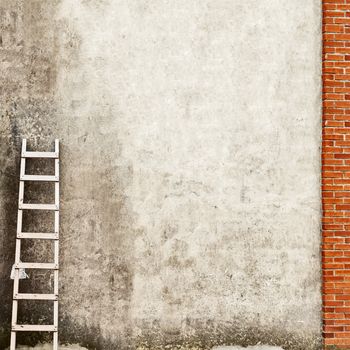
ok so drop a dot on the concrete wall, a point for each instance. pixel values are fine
(190, 135)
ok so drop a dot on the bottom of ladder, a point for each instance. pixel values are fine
(13, 340)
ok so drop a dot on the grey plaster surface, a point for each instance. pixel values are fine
(190, 168)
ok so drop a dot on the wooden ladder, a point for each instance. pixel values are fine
(30, 235)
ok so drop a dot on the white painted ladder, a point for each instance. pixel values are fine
(29, 235)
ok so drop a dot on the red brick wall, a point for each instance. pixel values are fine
(336, 173)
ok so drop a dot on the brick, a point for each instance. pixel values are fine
(332, 253)
(342, 344)
(339, 37)
(343, 272)
(342, 259)
(342, 194)
(343, 206)
(333, 212)
(329, 13)
(333, 266)
(336, 303)
(341, 322)
(342, 181)
(333, 315)
(342, 285)
(344, 50)
(333, 83)
(342, 77)
(332, 200)
(337, 114)
(342, 335)
(329, 6)
(334, 329)
(336, 96)
(333, 43)
(343, 7)
(342, 90)
(341, 20)
(333, 28)
(332, 174)
(342, 156)
(331, 150)
(336, 174)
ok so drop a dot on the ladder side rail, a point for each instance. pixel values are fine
(18, 251)
(56, 248)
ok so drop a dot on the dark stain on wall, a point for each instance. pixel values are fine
(195, 334)
(8, 207)
(205, 334)
(89, 337)
(28, 70)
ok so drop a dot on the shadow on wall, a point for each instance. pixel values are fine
(8, 219)
(25, 94)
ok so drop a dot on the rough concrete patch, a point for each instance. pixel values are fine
(257, 347)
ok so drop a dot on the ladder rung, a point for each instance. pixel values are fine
(34, 328)
(30, 265)
(37, 235)
(29, 296)
(39, 178)
(27, 154)
(38, 206)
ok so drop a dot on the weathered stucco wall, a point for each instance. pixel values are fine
(190, 134)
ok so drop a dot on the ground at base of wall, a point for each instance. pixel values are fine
(47, 346)
(78, 347)
(256, 347)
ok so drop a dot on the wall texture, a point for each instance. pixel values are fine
(336, 174)
(190, 135)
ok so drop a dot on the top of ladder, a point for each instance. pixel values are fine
(29, 154)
